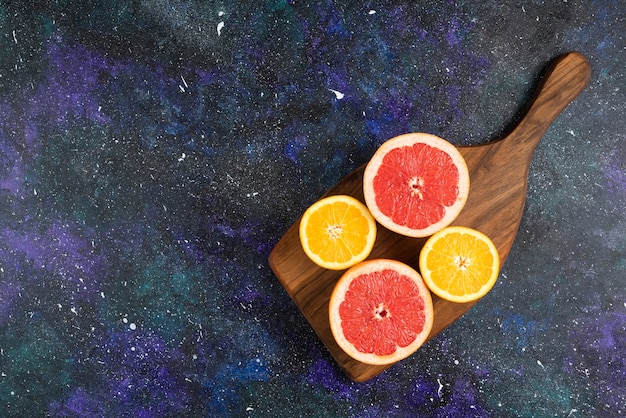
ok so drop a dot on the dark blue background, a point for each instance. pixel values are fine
(152, 153)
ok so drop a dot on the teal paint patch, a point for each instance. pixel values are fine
(36, 364)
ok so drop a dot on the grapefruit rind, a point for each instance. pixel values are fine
(356, 258)
(427, 272)
(410, 139)
(338, 296)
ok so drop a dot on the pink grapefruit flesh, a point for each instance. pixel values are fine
(416, 184)
(380, 311)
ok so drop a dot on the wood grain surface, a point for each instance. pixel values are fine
(498, 183)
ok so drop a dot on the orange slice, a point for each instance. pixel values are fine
(337, 232)
(380, 311)
(459, 264)
(416, 184)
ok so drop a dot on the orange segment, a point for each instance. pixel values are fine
(459, 264)
(337, 232)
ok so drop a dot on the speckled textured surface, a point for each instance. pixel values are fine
(153, 152)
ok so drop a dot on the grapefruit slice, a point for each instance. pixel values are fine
(416, 184)
(380, 311)
(337, 232)
(459, 264)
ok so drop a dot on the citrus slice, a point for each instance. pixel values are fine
(416, 184)
(337, 232)
(380, 311)
(459, 264)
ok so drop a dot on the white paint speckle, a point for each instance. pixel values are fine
(339, 95)
(125, 320)
(184, 86)
(132, 326)
(220, 26)
(439, 388)
(371, 12)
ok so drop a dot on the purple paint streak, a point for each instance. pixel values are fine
(600, 336)
(71, 84)
(615, 171)
(65, 251)
(322, 373)
(294, 147)
(80, 403)
(139, 381)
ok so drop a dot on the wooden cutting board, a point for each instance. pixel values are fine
(498, 183)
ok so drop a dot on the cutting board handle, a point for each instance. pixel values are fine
(565, 79)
